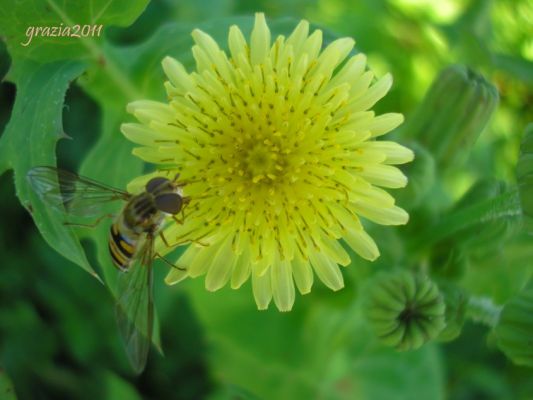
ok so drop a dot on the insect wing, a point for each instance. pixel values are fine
(135, 306)
(71, 193)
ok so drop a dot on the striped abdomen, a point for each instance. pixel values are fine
(121, 248)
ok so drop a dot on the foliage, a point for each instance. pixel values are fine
(466, 233)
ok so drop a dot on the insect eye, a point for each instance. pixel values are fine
(156, 183)
(169, 203)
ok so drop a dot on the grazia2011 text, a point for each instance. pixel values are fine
(74, 31)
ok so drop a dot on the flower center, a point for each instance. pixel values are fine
(260, 162)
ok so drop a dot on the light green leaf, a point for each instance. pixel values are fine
(17, 17)
(384, 374)
(315, 351)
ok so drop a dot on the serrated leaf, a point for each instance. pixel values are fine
(30, 139)
(17, 17)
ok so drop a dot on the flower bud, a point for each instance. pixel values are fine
(524, 176)
(455, 110)
(514, 330)
(456, 302)
(405, 309)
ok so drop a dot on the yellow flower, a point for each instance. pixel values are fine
(279, 155)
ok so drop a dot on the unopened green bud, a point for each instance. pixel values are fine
(404, 309)
(514, 330)
(454, 112)
(421, 173)
(524, 176)
(456, 305)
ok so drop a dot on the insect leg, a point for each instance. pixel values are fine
(196, 241)
(93, 225)
(178, 220)
(170, 264)
(163, 238)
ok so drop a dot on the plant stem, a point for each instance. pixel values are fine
(112, 70)
(483, 310)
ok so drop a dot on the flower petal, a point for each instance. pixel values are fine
(333, 249)
(382, 215)
(394, 152)
(383, 175)
(141, 134)
(262, 289)
(260, 40)
(326, 270)
(176, 275)
(202, 260)
(297, 38)
(282, 285)
(303, 275)
(220, 267)
(362, 244)
(177, 74)
(241, 269)
(374, 94)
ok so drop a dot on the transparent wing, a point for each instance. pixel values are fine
(135, 306)
(68, 192)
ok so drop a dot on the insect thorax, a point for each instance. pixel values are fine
(141, 215)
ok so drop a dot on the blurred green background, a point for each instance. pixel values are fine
(58, 337)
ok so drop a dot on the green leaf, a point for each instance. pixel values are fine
(315, 351)
(18, 18)
(30, 139)
(504, 207)
(118, 388)
(516, 67)
(514, 329)
(384, 374)
(231, 392)
(7, 392)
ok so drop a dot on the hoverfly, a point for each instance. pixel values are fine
(131, 240)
